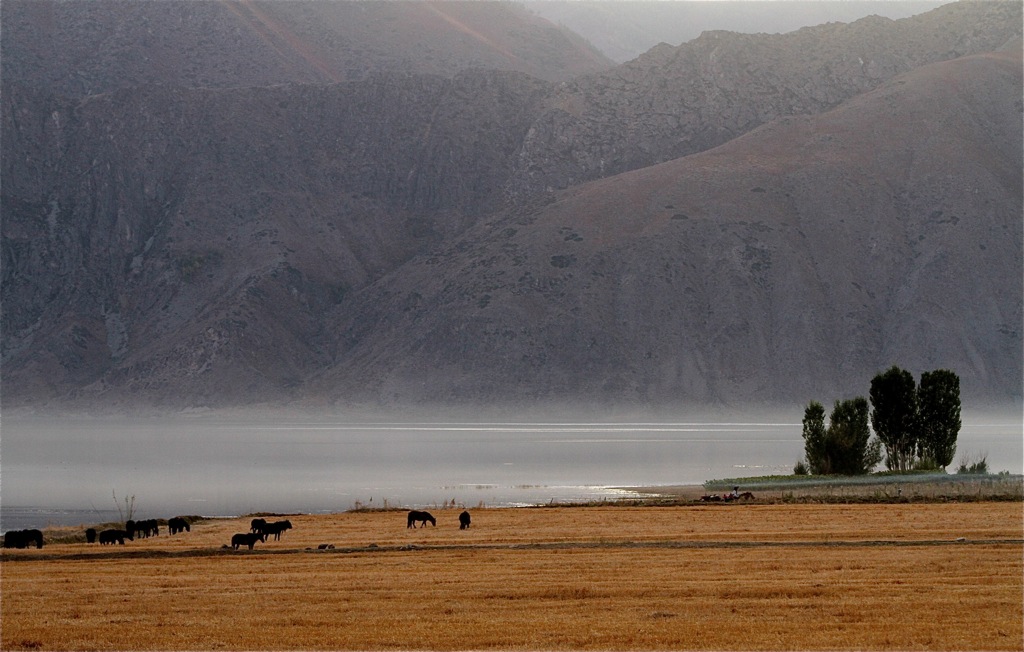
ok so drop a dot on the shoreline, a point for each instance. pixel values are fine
(868, 489)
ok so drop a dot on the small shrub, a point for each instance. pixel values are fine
(979, 467)
(925, 464)
(800, 468)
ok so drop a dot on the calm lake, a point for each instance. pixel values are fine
(67, 471)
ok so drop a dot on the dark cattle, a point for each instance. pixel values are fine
(463, 520)
(247, 539)
(90, 536)
(115, 536)
(276, 528)
(23, 539)
(177, 524)
(258, 525)
(420, 517)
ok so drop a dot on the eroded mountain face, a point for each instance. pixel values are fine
(401, 237)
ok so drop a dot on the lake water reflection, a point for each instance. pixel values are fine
(216, 466)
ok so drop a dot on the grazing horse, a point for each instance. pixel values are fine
(177, 524)
(247, 539)
(420, 517)
(115, 536)
(90, 536)
(463, 520)
(258, 525)
(23, 539)
(276, 528)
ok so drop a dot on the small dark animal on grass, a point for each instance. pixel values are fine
(463, 520)
(178, 524)
(420, 517)
(258, 525)
(23, 539)
(115, 536)
(90, 536)
(247, 539)
(143, 529)
(276, 528)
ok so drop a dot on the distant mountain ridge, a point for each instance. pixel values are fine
(675, 101)
(399, 237)
(625, 29)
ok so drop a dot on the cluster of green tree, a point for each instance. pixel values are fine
(915, 425)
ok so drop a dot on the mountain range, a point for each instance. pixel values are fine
(319, 203)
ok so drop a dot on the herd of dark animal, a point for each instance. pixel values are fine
(259, 531)
(415, 517)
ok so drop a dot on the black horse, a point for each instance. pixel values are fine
(420, 517)
(115, 536)
(90, 535)
(276, 528)
(178, 524)
(463, 520)
(247, 539)
(258, 525)
(149, 527)
(23, 539)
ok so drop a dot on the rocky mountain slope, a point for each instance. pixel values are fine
(83, 47)
(674, 101)
(795, 261)
(392, 237)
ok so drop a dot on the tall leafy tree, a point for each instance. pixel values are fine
(814, 439)
(894, 416)
(938, 399)
(845, 446)
(848, 438)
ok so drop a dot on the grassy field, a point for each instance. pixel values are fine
(751, 576)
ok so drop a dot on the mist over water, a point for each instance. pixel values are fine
(229, 466)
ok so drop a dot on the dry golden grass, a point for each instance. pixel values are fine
(707, 577)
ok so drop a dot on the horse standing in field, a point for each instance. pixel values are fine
(276, 528)
(150, 527)
(90, 535)
(420, 517)
(247, 539)
(258, 525)
(115, 536)
(178, 524)
(463, 520)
